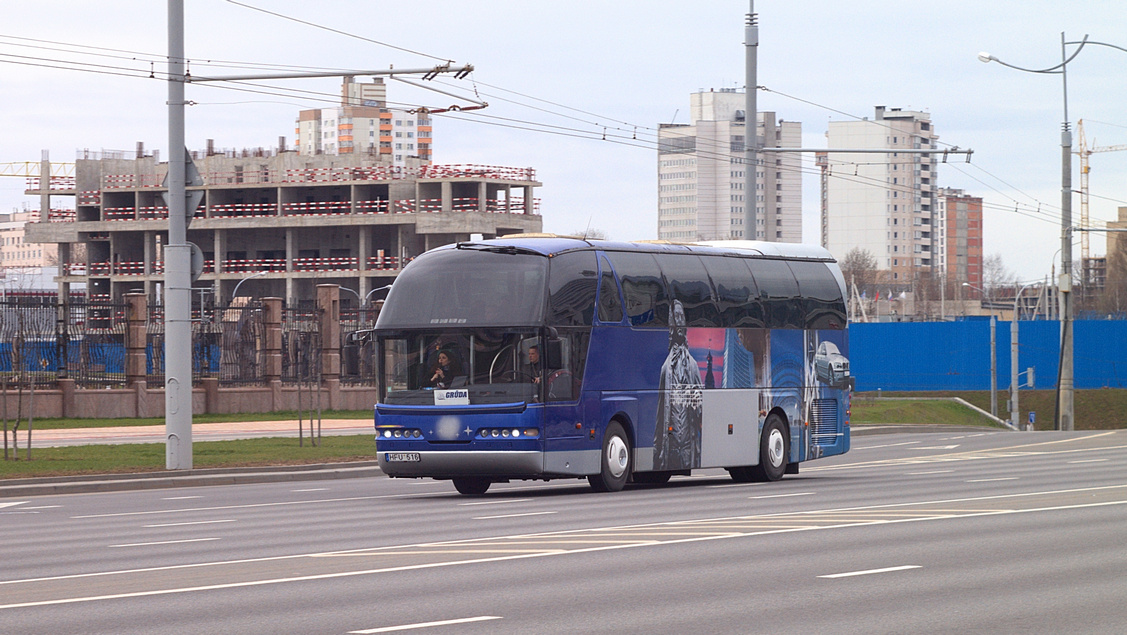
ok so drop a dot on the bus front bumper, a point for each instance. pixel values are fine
(455, 463)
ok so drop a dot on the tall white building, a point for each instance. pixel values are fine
(884, 202)
(363, 124)
(701, 174)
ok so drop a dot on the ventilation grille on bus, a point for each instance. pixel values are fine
(824, 421)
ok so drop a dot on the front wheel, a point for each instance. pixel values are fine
(774, 450)
(472, 486)
(615, 462)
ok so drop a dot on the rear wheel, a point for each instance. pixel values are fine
(774, 450)
(472, 486)
(615, 462)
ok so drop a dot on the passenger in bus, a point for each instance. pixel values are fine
(444, 371)
(533, 368)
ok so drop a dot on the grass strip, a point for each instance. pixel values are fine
(150, 457)
(921, 411)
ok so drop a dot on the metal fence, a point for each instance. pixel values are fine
(228, 343)
(357, 365)
(41, 341)
(301, 344)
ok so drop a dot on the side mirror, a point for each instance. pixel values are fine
(555, 354)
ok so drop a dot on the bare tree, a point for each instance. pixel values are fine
(592, 233)
(996, 276)
(860, 268)
(1114, 298)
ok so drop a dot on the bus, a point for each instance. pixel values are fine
(542, 357)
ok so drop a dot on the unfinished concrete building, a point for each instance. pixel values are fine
(278, 223)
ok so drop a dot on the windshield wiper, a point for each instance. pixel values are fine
(499, 249)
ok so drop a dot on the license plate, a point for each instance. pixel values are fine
(402, 457)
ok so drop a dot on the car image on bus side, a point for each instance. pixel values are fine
(546, 357)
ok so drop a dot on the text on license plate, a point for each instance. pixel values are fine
(394, 457)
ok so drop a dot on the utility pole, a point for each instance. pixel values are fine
(177, 259)
(178, 253)
(751, 127)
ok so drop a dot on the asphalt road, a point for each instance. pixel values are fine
(977, 531)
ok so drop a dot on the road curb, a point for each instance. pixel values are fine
(189, 478)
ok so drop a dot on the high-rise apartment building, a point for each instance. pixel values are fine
(701, 174)
(15, 251)
(959, 230)
(363, 124)
(884, 202)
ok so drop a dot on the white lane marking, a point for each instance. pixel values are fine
(164, 542)
(3, 505)
(782, 495)
(197, 522)
(497, 502)
(179, 498)
(407, 627)
(311, 489)
(931, 472)
(247, 506)
(937, 447)
(887, 445)
(43, 507)
(513, 515)
(1070, 463)
(990, 480)
(1013, 451)
(348, 574)
(871, 571)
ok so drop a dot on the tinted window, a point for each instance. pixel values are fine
(688, 282)
(572, 279)
(468, 287)
(643, 289)
(737, 298)
(779, 293)
(610, 305)
(825, 307)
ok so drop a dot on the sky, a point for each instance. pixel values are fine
(577, 89)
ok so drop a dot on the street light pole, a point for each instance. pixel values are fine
(1065, 411)
(751, 128)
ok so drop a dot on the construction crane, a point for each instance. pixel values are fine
(1085, 151)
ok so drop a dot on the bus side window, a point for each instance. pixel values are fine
(737, 297)
(779, 293)
(643, 288)
(610, 306)
(571, 289)
(825, 306)
(688, 282)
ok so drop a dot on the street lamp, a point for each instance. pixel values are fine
(236, 291)
(1065, 378)
(993, 357)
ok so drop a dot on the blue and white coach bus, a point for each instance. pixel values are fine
(546, 357)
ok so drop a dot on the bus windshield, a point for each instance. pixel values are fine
(468, 287)
(494, 365)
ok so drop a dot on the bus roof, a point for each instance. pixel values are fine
(550, 245)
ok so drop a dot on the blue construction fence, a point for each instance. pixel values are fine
(909, 356)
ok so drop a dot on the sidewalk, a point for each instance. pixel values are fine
(10, 488)
(200, 432)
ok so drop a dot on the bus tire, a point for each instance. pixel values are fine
(615, 462)
(774, 450)
(471, 486)
(742, 474)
